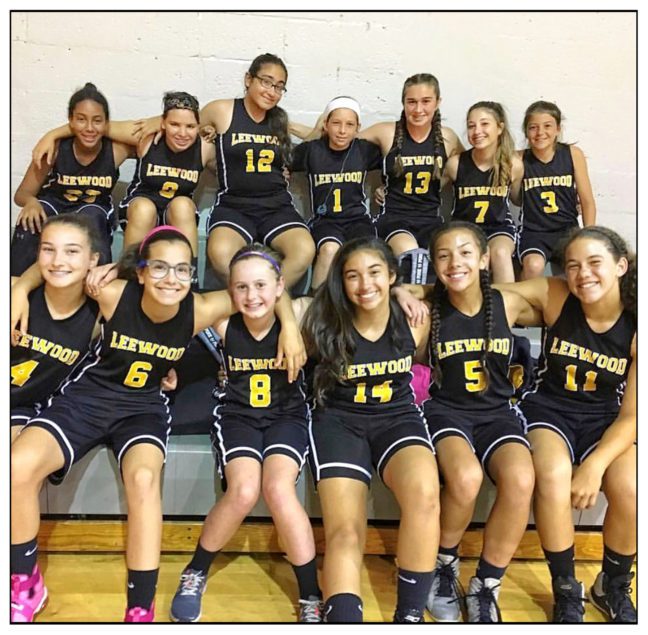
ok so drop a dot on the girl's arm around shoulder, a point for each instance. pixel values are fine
(453, 145)
(207, 154)
(217, 114)
(381, 134)
(211, 308)
(520, 311)
(291, 343)
(420, 333)
(108, 297)
(517, 174)
(546, 295)
(47, 145)
(583, 186)
(450, 170)
(617, 439)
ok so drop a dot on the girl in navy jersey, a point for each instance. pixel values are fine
(366, 419)
(260, 436)
(484, 178)
(471, 421)
(63, 318)
(581, 416)
(336, 167)
(555, 184)
(83, 172)
(415, 150)
(252, 148)
(149, 320)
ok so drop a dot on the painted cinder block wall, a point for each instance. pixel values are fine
(585, 62)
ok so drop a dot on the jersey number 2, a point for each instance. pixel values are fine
(264, 162)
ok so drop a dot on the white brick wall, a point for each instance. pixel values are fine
(585, 62)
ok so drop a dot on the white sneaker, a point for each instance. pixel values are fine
(481, 600)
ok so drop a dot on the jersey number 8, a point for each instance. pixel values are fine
(260, 395)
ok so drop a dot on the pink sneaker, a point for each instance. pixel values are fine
(28, 595)
(420, 382)
(138, 614)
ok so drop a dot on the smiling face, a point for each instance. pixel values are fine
(367, 280)
(483, 129)
(420, 102)
(341, 126)
(542, 131)
(255, 287)
(264, 97)
(591, 271)
(180, 128)
(458, 260)
(65, 255)
(88, 123)
(166, 291)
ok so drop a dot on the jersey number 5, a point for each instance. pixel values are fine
(475, 377)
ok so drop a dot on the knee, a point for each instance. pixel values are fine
(464, 486)
(141, 211)
(181, 210)
(243, 496)
(327, 251)
(346, 536)
(621, 493)
(534, 267)
(24, 470)
(278, 494)
(518, 485)
(553, 478)
(142, 482)
(422, 498)
(304, 255)
(501, 254)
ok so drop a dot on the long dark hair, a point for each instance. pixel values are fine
(439, 292)
(277, 117)
(84, 223)
(619, 249)
(133, 255)
(437, 129)
(89, 91)
(328, 323)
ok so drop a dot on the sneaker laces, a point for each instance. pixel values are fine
(618, 598)
(190, 582)
(570, 605)
(310, 610)
(485, 597)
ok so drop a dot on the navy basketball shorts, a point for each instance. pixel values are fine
(86, 414)
(484, 432)
(160, 209)
(236, 435)
(505, 228)
(543, 243)
(581, 431)
(349, 445)
(255, 224)
(419, 226)
(330, 229)
(20, 415)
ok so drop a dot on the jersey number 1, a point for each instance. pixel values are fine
(382, 392)
(264, 163)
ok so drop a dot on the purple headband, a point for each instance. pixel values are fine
(275, 265)
(156, 230)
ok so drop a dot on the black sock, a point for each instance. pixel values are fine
(141, 588)
(23, 557)
(343, 608)
(202, 559)
(306, 575)
(561, 563)
(487, 570)
(195, 283)
(614, 564)
(449, 551)
(413, 590)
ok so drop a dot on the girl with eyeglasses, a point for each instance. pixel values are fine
(166, 174)
(78, 177)
(149, 317)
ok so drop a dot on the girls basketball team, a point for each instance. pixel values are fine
(572, 433)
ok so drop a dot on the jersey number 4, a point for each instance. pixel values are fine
(20, 373)
(382, 392)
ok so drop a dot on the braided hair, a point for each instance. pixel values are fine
(277, 117)
(503, 160)
(437, 129)
(439, 292)
(618, 247)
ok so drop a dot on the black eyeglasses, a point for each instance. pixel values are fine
(280, 89)
(160, 269)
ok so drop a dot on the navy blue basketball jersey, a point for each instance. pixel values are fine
(549, 197)
(134, 353)
(336, 178)
(71, 185)
(162, 174)
(255, 386)
(415, 189)
(475, 199)
(51, 350)
(249, 162)
(459, 349)
(377, 381)
(580, 370)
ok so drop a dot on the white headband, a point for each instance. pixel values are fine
(342, 102)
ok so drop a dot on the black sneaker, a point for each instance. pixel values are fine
(413, 616)
(611, 596)
(569, 598)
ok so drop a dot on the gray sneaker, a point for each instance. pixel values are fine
(481, 600)
(187, 601)
(446, 593)
(310, 611)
